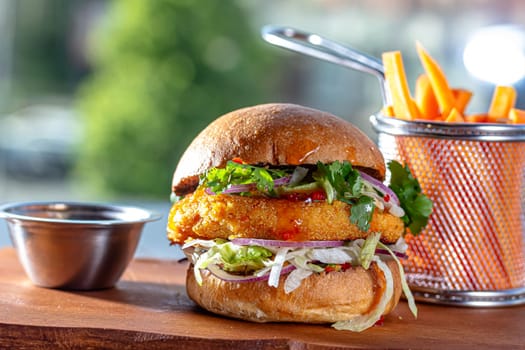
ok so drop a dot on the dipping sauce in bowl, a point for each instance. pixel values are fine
(73, 245)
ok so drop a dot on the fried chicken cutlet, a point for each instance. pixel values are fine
(205, 216)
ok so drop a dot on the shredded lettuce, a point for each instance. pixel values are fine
(243, 259)
(202, 263)
(298, 175)
(369, 248)
(232, 258)
(329, 255)
(362, 322)
(300, 261)
(258, 261)
(294, 279)
(406, 290)
(269, 261)
(278, 263)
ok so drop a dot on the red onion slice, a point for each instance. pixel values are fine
(291, 244)
(228, 277)
(380, 186)
(239, 188)
(385, 252)
(282, 181)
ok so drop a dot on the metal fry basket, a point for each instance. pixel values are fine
(472, 253)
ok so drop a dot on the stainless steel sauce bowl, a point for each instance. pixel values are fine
(72, 245)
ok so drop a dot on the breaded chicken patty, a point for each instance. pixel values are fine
(204, 216)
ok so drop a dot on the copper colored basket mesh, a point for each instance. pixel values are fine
(475, 176)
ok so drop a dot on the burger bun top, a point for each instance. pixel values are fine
(276, 134)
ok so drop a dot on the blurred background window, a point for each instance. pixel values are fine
(99, 98)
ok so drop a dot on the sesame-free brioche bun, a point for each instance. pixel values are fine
(276, 134)
(281, 135)
(320, 298)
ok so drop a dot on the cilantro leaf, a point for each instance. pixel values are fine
(321, 176)
(220, 179)
(416, 205)
(361, 212)
(340, 181)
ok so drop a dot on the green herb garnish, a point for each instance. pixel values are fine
(340, 181)
(416, 205)
(361, 212)
(234, 174)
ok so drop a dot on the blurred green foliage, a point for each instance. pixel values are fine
(163, 70)
(39, 62)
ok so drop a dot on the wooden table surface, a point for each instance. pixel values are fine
(149, 309)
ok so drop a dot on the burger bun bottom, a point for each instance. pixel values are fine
(320, 298)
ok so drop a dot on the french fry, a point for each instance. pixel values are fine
(516, 116)
(425, 98)
(476, 118)
(404, 105)
(454, 117)
(462, 98)
(438, 80)
(435, 100)
(503, 100)
(469, 245)
(388, 111)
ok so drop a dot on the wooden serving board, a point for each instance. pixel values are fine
(149, 309)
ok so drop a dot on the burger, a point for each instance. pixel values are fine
(282, 212)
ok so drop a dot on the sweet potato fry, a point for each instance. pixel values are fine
(461, 99)
(503, 100)
(388, 111)
(438, 80)
(425, 98)
(435, 100)
(454, 116)
(476, 118)
(404, 105)
(516, 116)
(492, 259)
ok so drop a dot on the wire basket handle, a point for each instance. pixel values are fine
(324, 49)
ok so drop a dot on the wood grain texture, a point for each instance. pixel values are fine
(149, 309)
